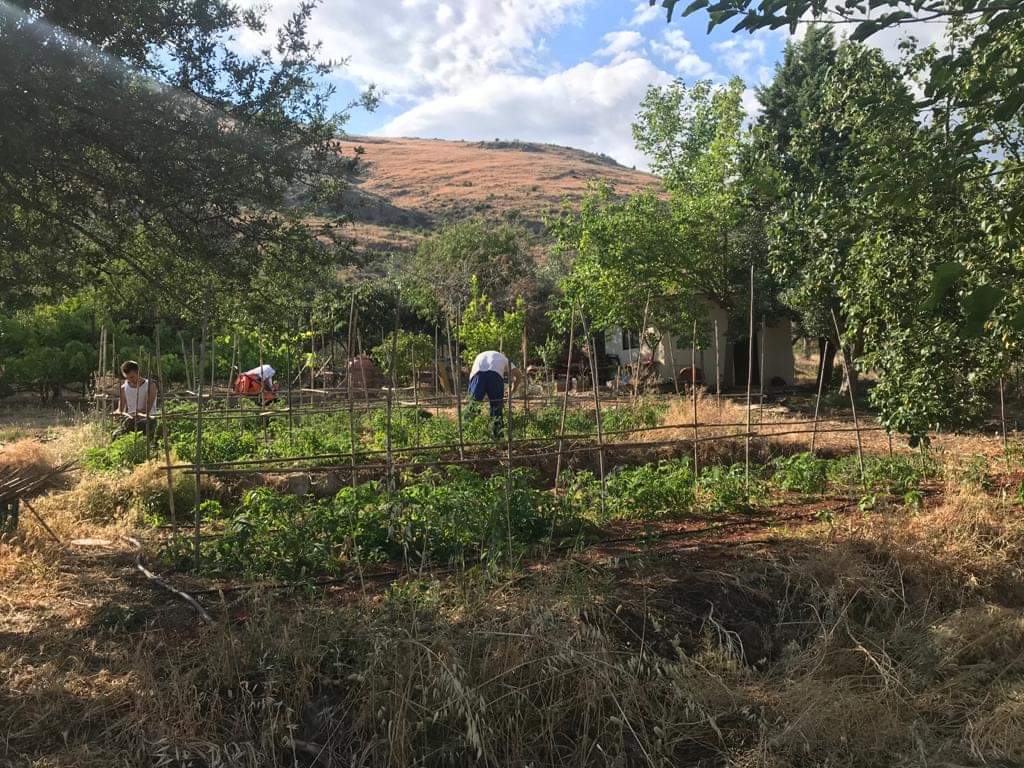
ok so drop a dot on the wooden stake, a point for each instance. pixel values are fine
(197, 514)
(526, 401)
(718, 374)
(456, 387)
(670, 350)
(693, 392)
(597, 406)
(750, 374)
(349, 372)
(1002, 420)
(817, 401)
(853, 404)
(184, 362)
(565, 398)
(213, 362)
(160, 392)
(760, 376)
(639, 351)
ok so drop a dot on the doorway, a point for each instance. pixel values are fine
(740, 358)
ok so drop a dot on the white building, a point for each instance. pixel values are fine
(776, 341)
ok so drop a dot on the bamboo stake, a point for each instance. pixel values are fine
(197, 375)
(390, 406)
(526, 401)
(456, 386)
(184, 362)
(163, 434)
(817, 401)
(597, 406)
(213, 362)
(718, 374)
(693, 392)
(760, 376)
(288, 392)
(231, 367)
(750, 373)
(565, 398)
(1002, 420)
(639, 351)
(670, 348)
(351, 369)
(197, 513)
(853, 404)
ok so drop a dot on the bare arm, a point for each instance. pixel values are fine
(122, 404)
(150, 397)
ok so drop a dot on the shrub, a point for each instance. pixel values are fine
(124, 452)
(800, 473)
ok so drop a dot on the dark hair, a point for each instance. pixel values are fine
(128, 366)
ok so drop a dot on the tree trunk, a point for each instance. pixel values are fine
(851, 354)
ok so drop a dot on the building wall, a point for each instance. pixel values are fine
(676, 354)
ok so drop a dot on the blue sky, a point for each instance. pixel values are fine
(563, 71)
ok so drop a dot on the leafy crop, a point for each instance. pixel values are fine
(441, 517)
(124, 452)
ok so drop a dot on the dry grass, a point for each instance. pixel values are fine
(891, 639)
(26, 457)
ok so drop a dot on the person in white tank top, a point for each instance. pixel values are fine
(137, 405)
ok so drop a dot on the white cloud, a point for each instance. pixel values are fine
(645, 13)
(587, 106)
(416, 48)
(737, 53)
(621, 46)
(678, 51)
(751, 104)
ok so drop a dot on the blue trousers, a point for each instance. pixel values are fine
(491, 385)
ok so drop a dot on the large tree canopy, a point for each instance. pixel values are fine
(138, 147)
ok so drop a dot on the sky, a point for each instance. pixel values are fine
(568, 72)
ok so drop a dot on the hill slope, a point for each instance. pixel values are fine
(409, 186)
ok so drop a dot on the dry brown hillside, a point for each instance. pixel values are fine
(411, 185)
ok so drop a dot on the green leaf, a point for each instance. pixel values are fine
(978, 306)
(942, 280)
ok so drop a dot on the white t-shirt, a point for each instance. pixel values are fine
(135, 398)
(491, 361)
(263, 373)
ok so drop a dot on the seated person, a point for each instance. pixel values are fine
(136, 409)
(258, 381)
(487, 379)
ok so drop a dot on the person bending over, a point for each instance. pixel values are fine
(136, 409)
(487, 379)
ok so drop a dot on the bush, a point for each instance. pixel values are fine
(124, 452)
(800, 473)
(445, 516)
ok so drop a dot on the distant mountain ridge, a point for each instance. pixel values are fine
(408, 187)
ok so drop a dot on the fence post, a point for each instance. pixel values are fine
(197, 513)
(853, 404)
(565, 398)
(817, 401)
(693, 392)
(597, 405)
(163, 433)
(750, 374)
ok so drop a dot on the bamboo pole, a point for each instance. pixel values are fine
(760, 376)
(196, 374)
(231, 366)
(184, 362)
(197, 513)
(670, 353)
(750, 373)
(639, 351)
(390, 404)
(1002, 421)
(213, 362)
(456, 386)
(853, 404)
(163, 434)
(817, 400)
(718, 373)
(597, 406)
(526, 401)
(348, 377)
(693, 392)
(288, 393)
(565, 398)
